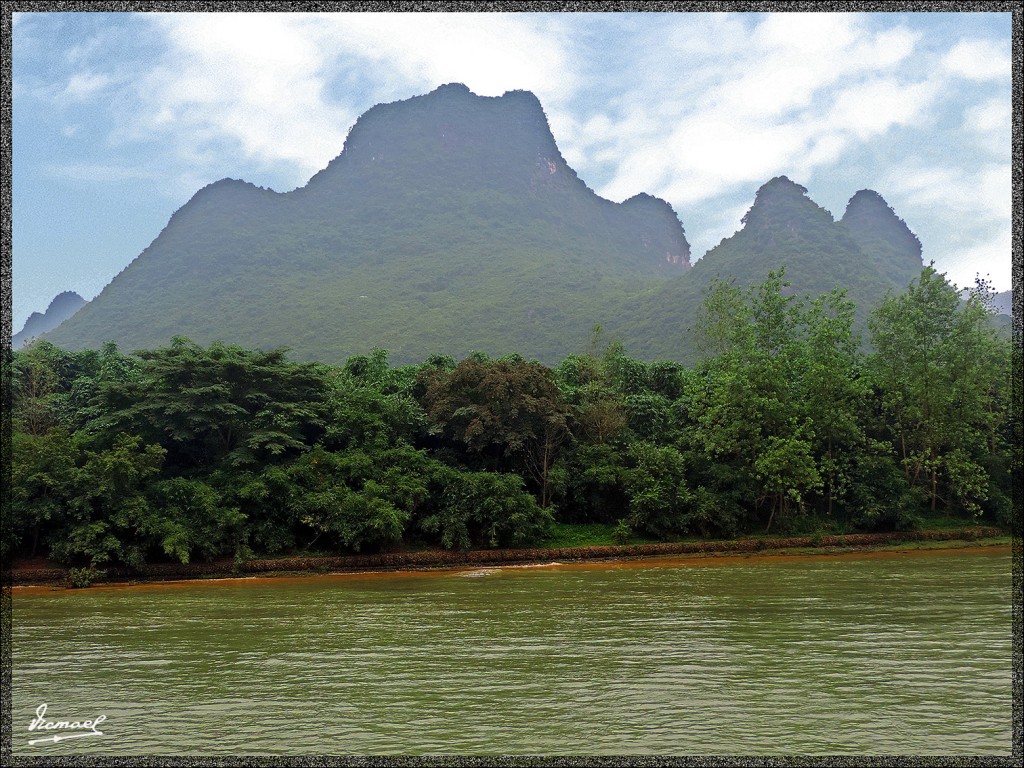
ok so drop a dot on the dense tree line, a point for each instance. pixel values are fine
(788, 424)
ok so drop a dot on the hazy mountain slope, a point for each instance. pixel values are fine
(783, 228)
(450, 222)
(1003, 303)
(63, 306)
(883, 237)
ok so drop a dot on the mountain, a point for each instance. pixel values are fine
(1003, 303)
(450, 222)
(870, 252)
(883, 237)
(63, 306)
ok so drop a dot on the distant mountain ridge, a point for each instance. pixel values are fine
(1003, 303)
(451, 222)
(63, 306)
(784, 226)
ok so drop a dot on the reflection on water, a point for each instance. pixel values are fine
(852, 655)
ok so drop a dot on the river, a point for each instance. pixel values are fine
(857, 654)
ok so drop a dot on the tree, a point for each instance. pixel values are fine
(361, 498)
(108, 515)
(942, 373)
(747, 408)
(219, 404)
(195, 520)
(659, 498)
(833, 393)
(488, 508)
(503, 414)
(44, 475)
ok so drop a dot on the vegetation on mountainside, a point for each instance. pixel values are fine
(870, 253)
(63, 306)
(451, 223)
(190, 452)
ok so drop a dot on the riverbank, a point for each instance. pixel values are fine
(35, 574)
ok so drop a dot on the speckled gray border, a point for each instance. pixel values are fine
(1016, 6)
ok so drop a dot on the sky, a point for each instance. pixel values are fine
(119, 118)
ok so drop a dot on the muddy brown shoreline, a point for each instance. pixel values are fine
(398, 561)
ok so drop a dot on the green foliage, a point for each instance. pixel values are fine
(365, 411)
(505, 415)
(590, 483)
(90, 505)
(748, 410)
(659, 499)
(221, 404)
(190, 452)
(53, 387)
(486, 508)
(79, 578)
(361, 500)
(572, 535)
(622, 533)
(943, 376)
(44, 477)
(195, 520)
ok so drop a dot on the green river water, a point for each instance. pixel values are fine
(861, 654)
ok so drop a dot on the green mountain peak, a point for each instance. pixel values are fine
(449, 222)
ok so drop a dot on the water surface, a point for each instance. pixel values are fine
(774, 655)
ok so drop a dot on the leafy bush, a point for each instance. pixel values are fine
(489, 509)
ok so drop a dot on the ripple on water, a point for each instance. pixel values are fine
(872, 656)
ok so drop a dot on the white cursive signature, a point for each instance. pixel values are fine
(40, 723)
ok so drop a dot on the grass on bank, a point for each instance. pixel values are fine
(575, 535)
(905, 546)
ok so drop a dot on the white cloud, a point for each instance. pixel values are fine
(983, 193)
(261, 81)
(253, 79)
(890, 47)
(788, 95)
(991, 116)
(962, 216)
(990, 258)
(791, 58)
(872, 108)
(86, 85)
(988, 126)
(978, 60)
(490, 53)
(732, 153)
(702, 35)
